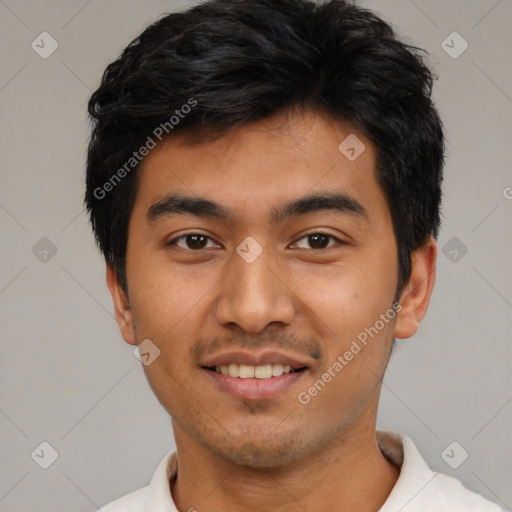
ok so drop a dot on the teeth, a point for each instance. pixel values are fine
(277, 369)
(263, 372)
(244, 371)
(233, 370)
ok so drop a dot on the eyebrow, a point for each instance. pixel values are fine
(176, 204)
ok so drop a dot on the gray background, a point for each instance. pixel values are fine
(67, 377)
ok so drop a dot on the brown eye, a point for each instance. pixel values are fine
(192, 241)
(319, 241)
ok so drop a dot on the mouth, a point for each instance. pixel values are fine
(249, 377)
(245, 371)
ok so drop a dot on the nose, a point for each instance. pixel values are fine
(255, 295)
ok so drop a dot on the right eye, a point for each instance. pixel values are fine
(194, 242)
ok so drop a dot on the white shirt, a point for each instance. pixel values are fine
(418, 488)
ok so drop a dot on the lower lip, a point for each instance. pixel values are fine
(255, 389)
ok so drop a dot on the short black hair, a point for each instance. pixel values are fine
(223, 63)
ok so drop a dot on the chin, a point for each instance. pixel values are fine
(259, 450)
(257, 456)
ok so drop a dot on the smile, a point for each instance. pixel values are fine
(246, 382)
(244, 371)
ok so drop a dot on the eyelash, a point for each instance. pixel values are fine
(306, 235)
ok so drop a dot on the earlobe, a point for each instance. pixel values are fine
(415, 298)
(122, 308)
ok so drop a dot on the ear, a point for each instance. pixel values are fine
(121, 306)
(416, 296)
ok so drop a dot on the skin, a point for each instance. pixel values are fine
(253, 455)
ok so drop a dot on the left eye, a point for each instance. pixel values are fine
(319, 239)
(198, 241)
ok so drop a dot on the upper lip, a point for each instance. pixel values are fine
(254, 359)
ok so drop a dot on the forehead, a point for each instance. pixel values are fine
(263, 164)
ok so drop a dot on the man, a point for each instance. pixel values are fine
(264, 180)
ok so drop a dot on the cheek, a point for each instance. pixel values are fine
(164, 295)
(349, 296)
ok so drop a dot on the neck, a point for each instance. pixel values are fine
(350, 473)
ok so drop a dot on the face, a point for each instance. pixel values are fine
(263, 281)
